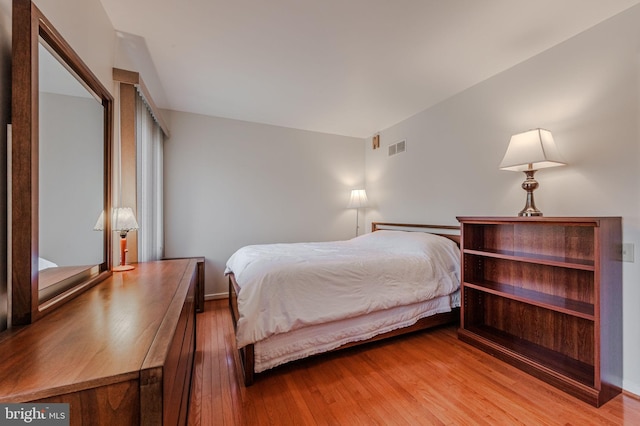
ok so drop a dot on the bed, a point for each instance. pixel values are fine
(322, 297)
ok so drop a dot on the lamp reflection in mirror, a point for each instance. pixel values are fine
(123, 220)
(357, 201)
(528, 152)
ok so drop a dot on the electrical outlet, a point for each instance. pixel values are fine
(628, 252)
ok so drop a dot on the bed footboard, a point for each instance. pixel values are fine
(245, 354)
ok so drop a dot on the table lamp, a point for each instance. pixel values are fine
(123, 221)
(528, 152)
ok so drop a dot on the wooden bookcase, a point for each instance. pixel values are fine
(545, 295)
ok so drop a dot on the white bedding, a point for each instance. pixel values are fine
(45, 264)
(320, 338)
(285, 287)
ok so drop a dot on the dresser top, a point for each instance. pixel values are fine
(106, 335)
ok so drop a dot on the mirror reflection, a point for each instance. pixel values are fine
(71, 178)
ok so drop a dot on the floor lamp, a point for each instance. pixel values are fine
(357, 201)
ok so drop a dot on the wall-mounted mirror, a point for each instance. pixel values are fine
(61, 146)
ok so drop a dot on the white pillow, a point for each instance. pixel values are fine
(44, 264)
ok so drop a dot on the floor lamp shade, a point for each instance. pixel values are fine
(358, 199)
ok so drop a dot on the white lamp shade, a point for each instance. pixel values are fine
(358, 199)
(122, 220)
(531, 150)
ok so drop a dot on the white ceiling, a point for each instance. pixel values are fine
(348, 67)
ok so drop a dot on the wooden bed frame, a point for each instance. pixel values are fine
(247, 353)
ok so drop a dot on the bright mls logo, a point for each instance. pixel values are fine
(35, 414)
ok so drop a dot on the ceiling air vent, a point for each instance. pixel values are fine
(398, 147)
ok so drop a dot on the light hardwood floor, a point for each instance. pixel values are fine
(427, 378)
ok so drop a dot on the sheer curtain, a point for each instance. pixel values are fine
(149, 151)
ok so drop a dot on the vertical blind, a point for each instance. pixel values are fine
(149, 158)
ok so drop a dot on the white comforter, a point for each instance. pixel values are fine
(284, 287)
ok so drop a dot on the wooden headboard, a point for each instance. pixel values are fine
(448, 231)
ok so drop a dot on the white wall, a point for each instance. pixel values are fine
(230, 183)
(85, 25)
(71, 179)
(587, 92)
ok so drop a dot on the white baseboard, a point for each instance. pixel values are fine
(630, 388)
(216, 296)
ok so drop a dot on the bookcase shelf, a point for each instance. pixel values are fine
(586, 265)
(564, 365)
(545, 294)
(536, 298)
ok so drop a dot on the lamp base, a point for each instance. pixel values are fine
(527, 213)
(122, 268)
(529, 185)
(123, 255)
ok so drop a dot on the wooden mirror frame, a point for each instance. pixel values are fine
(29, 24)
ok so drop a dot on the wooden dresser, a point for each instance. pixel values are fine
(545, 294)
(121, 353)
